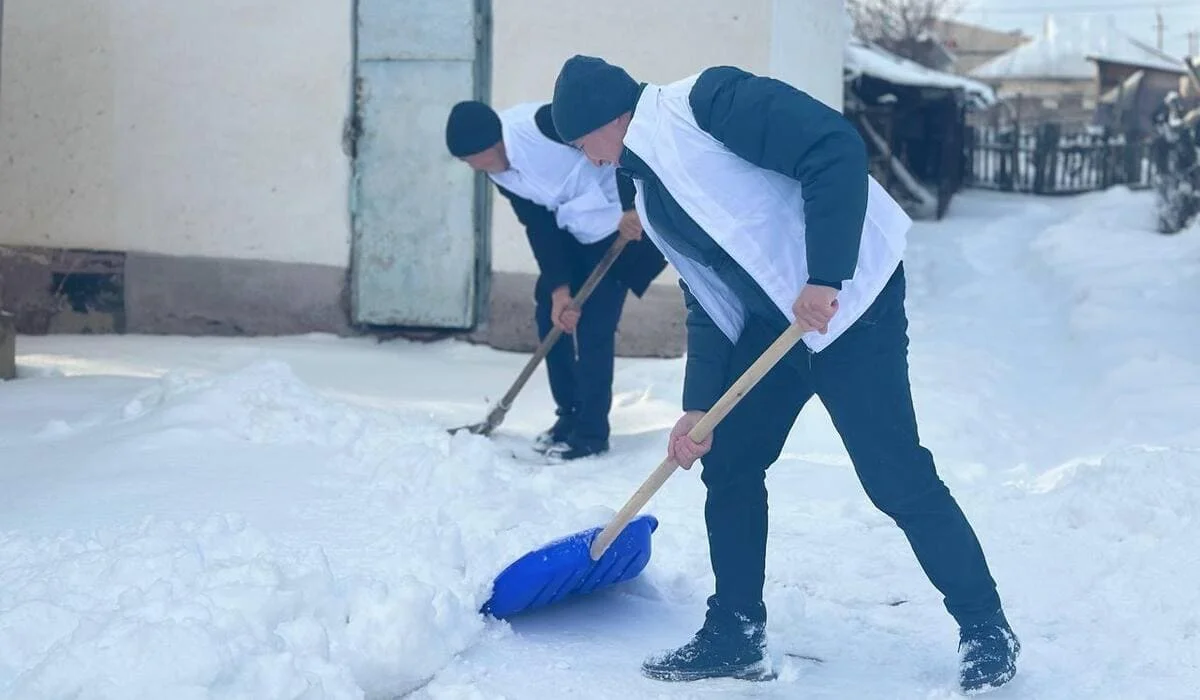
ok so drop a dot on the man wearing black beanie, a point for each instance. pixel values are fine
(572, 212)
(760, 197)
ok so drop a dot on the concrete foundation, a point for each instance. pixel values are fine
(212, 296)
(652, 326)
(61, 291)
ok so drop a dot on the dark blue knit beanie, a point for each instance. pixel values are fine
(588, 94)
(472, 127)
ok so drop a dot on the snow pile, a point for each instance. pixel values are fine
(1100, 560)
(1095, 534)
(1132, 296)
(264, 404)
(96, 616)
(1118, 270)
(288, 518)
(369, 585)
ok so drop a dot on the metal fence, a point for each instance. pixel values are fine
(1047, 161)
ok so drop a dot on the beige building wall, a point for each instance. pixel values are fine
(214, 130)
(1049, 88)
(204, 140)
(181, 128)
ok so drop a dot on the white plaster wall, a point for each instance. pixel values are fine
(657, 41)
(183, 128)
(808, 44)
(213, 128)
(56, 137)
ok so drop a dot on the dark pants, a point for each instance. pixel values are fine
(582, 384)
(862, 379)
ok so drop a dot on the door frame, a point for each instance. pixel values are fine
(483, 190)
(352, 129)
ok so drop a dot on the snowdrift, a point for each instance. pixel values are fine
(287, 518)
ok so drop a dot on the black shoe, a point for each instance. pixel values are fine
(555, 433)
(727, 646)
(987, 655)
(567, 451)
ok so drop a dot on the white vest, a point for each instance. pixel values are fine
(756, 216)
(582, 196)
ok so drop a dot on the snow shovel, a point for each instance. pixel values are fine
(592, 559)
(497, 414)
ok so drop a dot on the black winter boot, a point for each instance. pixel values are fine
(987, 655)
(729, 645)
(575, 449)
(556, 433)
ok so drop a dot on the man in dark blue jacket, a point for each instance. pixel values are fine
(572, 214)
(760, 196)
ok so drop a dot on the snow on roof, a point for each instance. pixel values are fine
(865, 58)
(1135, 53)
(1067, 54)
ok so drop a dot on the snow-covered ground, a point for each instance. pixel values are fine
(287, 518)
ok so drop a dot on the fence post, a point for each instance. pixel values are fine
(8, 346)
(969, 145)
(1014, 158)
(1133, 158)
(1039, 157)
(1016, 147)
(1045, 157)
(1054, 137)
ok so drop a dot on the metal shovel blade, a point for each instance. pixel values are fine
(483, 428)
(494, 418)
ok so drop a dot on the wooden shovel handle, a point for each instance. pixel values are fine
(698, 433)
(610, 256)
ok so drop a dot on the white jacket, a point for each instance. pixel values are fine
(582, 196)
(756, 216)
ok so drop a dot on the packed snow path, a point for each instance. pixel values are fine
(286, 518)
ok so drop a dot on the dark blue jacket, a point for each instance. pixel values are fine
(558, 253)
(778, 127)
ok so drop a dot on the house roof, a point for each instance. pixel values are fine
(976, 39)
(1067, 53)
(865, 58)
(1134, 53)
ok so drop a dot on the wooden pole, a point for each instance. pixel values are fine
(8, 345)
(699, 433)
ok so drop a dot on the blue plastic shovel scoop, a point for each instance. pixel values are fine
(564, 568)
(597, 558)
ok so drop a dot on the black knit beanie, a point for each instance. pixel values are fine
(588, 94)
(472, 127)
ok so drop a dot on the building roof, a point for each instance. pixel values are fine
(960, 36)
(972, 45)
(865, 58)
(1067, 53)
(1135, 53)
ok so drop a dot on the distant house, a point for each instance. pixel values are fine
(1048, 78)
(913, 119)
(1063, 75)
(1132, 80)
(970, 46)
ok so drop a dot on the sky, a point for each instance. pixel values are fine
(1135, 17)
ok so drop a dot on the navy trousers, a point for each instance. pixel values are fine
(862, 379)
(581, 383)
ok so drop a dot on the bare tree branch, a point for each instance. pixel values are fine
(900, 26)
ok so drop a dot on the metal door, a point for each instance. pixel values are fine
(420, 252)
